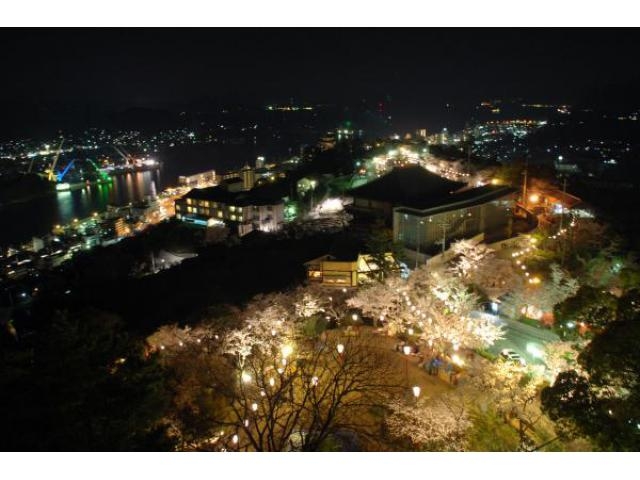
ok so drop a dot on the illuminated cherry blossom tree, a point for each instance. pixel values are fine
(439, 425)
(512, 390)
(469, 257)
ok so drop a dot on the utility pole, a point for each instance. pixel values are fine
(563, 241)
(564, 194)
(444, 226)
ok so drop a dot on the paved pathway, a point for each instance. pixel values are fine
(518, 336)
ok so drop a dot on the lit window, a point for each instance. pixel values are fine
(188, 201)
(220, 214)
(178, 208)
(233, 217)
(232, 208)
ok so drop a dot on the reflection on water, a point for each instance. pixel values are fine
(127, 188)
(19, 222)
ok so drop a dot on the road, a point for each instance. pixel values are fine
(519, 336)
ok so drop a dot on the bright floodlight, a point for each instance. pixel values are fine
(340, 348)
(235, 439)
(406, 349)
(246, 378)
(331, 205)
(354, 317)
(416, 391)
(254, 407)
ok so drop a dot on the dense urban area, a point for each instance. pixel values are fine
(358, 289)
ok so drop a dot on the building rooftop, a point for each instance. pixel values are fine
(264, 195)
(407, 186)
(461, 199)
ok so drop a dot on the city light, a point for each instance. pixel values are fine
(340, 348)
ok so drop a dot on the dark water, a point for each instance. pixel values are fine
(21, 221)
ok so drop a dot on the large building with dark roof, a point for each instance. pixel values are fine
(463, 214)
(261, 208)
(402, 186)
(424, 208)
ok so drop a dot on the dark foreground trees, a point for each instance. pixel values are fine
(603, 399)
(81, 384)
(278, 394)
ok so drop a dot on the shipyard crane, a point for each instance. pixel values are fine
(61, 175)
(127, 158)
(52, 177)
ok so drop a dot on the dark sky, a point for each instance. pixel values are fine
(416, 67)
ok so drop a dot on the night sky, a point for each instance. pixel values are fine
(417, 68)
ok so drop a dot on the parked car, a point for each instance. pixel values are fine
(511, 356)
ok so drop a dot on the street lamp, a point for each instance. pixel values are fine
(418, 234)
(416, 392)
(340, 348)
